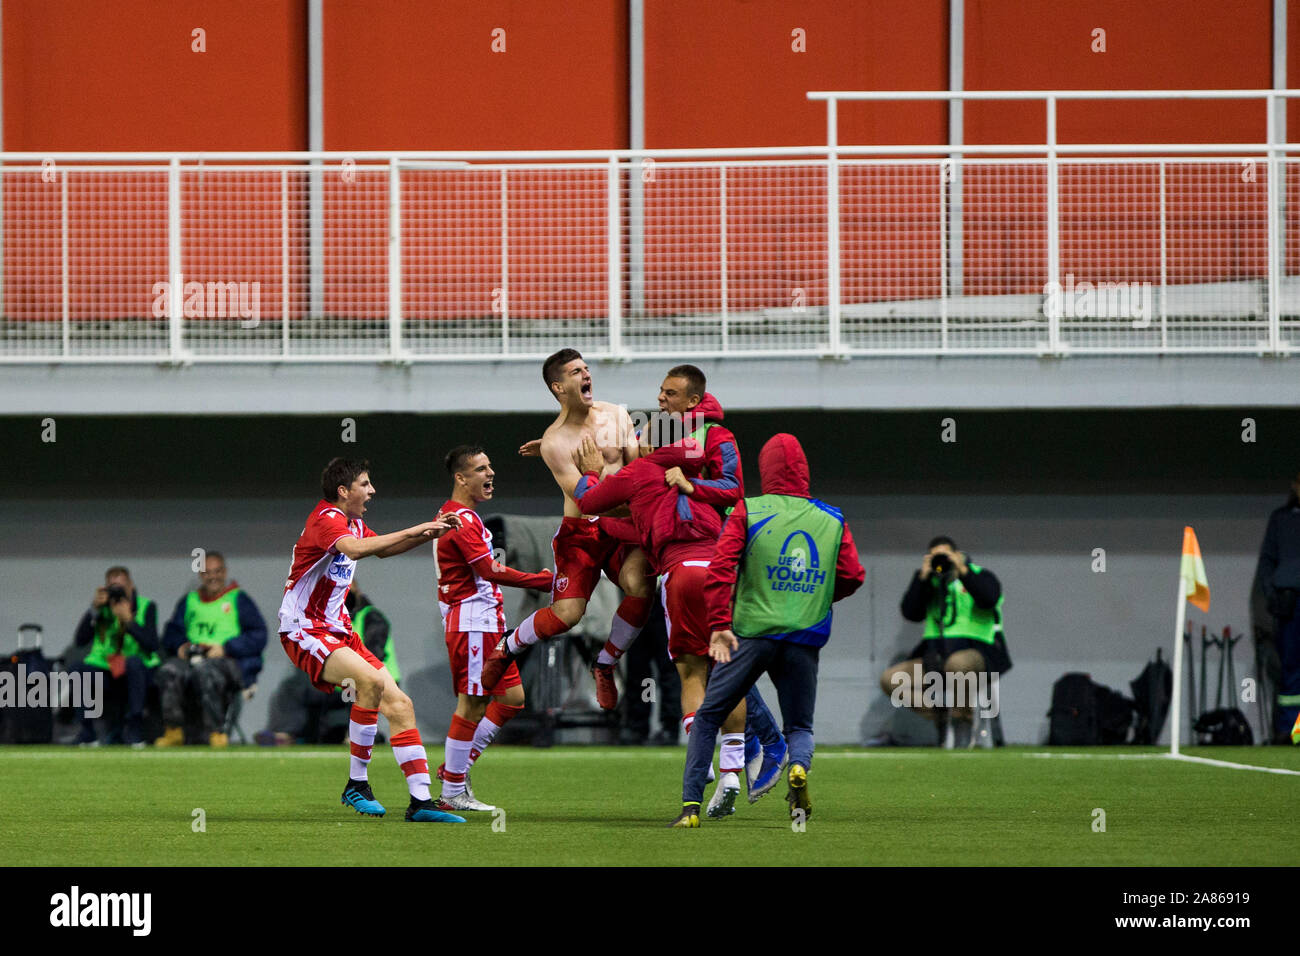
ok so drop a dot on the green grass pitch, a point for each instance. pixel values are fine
(609, 806)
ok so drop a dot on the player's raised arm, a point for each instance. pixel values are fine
(395, 542)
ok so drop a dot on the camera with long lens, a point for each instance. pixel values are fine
(940, 564)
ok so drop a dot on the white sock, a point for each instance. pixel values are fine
(456, 758)
(621, 636)
(525, 635)
(484, 734)
(360, 736)
(732, 759)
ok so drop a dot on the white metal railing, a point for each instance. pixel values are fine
(828, 250)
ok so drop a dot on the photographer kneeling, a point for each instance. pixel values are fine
(961, 605)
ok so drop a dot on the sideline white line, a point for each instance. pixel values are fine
(1165, 756)
(1103, 756)
(1233, 766)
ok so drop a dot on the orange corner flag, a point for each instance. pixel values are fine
(1195, 586)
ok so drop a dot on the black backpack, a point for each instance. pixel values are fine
(1085, 713)
(1226, 727)
(1074, 712)
(1152, 691)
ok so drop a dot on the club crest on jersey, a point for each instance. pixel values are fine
(561, 582)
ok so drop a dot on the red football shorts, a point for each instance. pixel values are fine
(465, 650)
(309, 649)
(582, 550)
(684, 613)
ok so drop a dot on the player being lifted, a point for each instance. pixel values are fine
(581, 546)
(679, 535)
(473, 619)
(317, 633)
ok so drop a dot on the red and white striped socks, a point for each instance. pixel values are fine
(456, 761)
(541, 625)
(409, 751)
(497, 716)
(632, 615)
(362, 725)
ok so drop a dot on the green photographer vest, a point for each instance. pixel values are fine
(112, 638)
(390, 652)
(786, 579)
(211, 622)
(960, 616)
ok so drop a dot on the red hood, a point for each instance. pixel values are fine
(709, 410)
(783, 467)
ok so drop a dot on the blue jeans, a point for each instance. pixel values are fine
(793, 669)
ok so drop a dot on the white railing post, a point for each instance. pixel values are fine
(175, 296)
(1275, 194)
(67, 296)
(1164, 261)
(945, 166)
(505, 264)
(284, 262)
(832, 226)
(722, 248)
(394, 258)
(1053, 227)
(614, 272)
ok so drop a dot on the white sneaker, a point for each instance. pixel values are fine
(465, 801)
(723, 802)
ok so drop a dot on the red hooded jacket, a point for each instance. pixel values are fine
(721, 483)
(783, 470)
(670, 526)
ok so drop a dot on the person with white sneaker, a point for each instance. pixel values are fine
(473, 618)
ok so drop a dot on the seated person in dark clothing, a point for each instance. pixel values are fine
(961, 606)
(302, 714)
(121, 628)
(218, 636)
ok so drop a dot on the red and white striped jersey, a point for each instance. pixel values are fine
(320, 576)
(468, 602)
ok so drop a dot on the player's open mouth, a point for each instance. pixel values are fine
(586, 389)
(487, 486)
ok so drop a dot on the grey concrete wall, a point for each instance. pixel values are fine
(1060, 615)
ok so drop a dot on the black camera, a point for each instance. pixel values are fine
(940, 564)
(116, 593)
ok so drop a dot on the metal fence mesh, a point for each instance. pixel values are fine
(476, 259)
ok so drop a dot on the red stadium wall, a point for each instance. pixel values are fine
(125, 76)
(405, 74)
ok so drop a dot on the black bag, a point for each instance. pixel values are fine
(1114, 715)
(1085, 713)
(26, 725)
(1074, 712)
(1225, 727)
(1152, 691)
